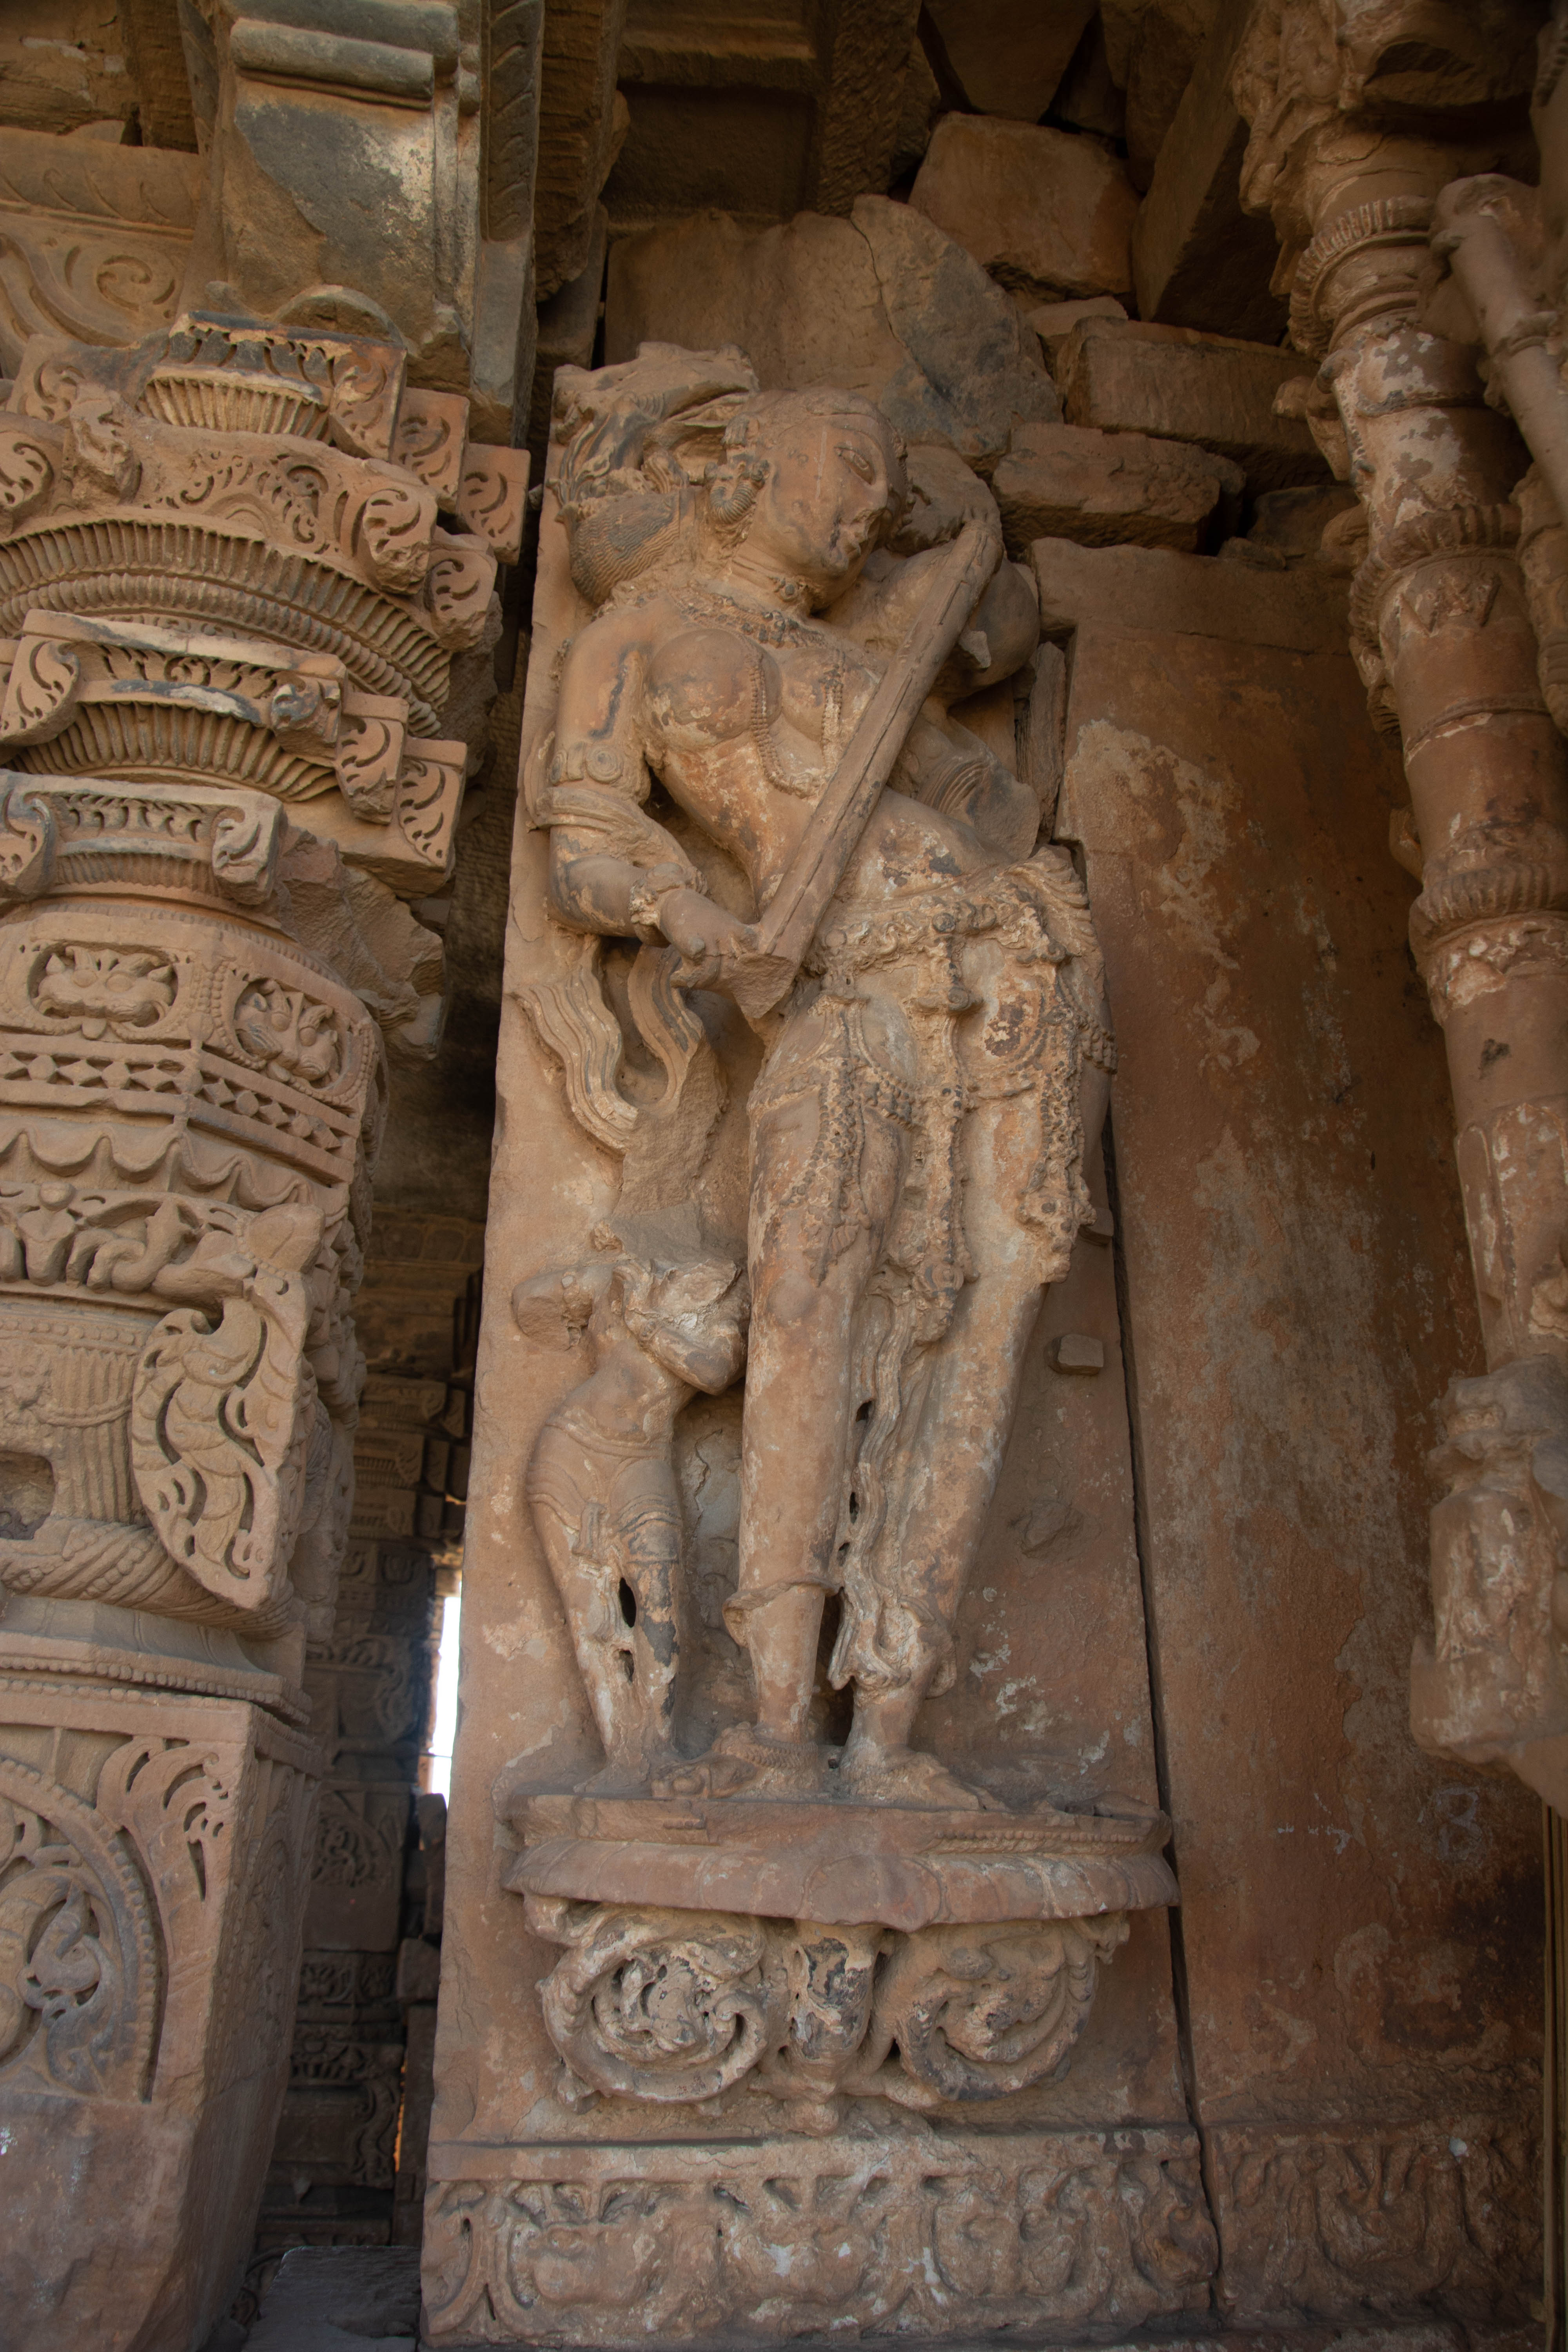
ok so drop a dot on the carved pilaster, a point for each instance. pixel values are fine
(1442, 632)
(232, 613)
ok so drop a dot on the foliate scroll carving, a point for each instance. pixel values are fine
(462, 571)
(493, 498)
(95, 239)
(431, 441)
(220, 1417)
(1380, 2218)
(429, 796)
(370, 754)
(27, 462)
(675, 2006)
(80, 1951)
(40, 692)
(977, 2014)
(672, 2005)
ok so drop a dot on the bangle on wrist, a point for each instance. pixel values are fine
(645, 899)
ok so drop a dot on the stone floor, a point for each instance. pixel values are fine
(334, 2299)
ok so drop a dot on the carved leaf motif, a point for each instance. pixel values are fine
(978, 2014)
(42, 694)
(492, 502)
(366, 392)
(663, 2005)
(429, 794)
(462, 576)
(27, 474)
(432, 430)
(28, 836)
(220, 1418)
(351, 1849)
(390, 535)
(369, 755)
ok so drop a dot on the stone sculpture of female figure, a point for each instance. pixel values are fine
(917, 1130)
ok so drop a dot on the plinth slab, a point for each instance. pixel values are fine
(842, 1865)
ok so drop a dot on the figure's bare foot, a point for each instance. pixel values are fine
(748, 1761)
(906, 1776)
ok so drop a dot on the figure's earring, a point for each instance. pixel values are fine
(733, 486)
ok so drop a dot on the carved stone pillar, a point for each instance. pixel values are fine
(232, 614)
(1442, 633)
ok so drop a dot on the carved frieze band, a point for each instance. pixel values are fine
(1087, 2228)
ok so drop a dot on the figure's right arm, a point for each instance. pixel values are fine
(605, 855)
(611, 868)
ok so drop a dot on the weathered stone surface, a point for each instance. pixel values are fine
(1067, 481)
(1046, 214)
(1008, 57)
(1288, 527)
(62, 68)
(986, 2223)
(1054, 321)
(1151, 46)
(568, 326)
(1182, 386)
(759, 114)
(1292, 1232)
(1087, 99)
(392, 226)
(340, 2299)
(583, 125)
(1198, 259)
(884, 303)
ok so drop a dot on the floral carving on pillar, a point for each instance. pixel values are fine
(223, 677)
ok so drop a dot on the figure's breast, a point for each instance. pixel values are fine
(706, 686)
(709, 684)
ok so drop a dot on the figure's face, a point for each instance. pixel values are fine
(822, 507)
